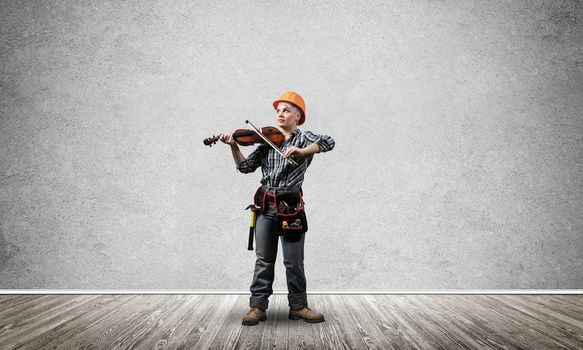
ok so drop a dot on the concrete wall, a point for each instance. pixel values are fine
(458, 128)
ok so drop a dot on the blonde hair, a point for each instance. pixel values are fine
(292, 107)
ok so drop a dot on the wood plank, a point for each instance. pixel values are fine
(440, 332)
(552, 300)
(17, 299)
(549, 307)
(398, 309)
(300, 333)
(135, 337)
(176, 328)
(109, 331)
(206, 328)
(191, 321)
(575, 300)
(48, 318)
(32, 309)
(13, 315)
(59, 322)
(158, 334)
(230, 330)
(315, 302)
(506, 319)
(332, 329)
(251, 336)
(226, 303)
(540, 323)
(472, 335)
(339, 314)
(482, 322)
(142, 321)
(273, 325)
(283, 323)
(387, 324)
(61, 335)
(367, 327)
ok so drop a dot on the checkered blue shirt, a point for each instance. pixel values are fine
(278, 173)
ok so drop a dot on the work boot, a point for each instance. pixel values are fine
(307, 314)
(253, 316)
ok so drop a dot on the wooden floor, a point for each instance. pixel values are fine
(352, 322)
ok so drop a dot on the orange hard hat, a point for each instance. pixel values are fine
(295, 99)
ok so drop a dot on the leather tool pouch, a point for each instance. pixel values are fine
(259, 199)
(291, 217)
(289, 209)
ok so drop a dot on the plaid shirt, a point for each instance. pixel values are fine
(278, 173)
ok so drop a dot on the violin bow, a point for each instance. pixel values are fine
(269, 142)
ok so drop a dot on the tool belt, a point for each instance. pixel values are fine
(289, 211)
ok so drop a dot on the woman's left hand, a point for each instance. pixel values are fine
(293, 151)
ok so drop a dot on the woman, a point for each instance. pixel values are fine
(280, 176)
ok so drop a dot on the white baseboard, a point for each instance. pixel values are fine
(310, 292)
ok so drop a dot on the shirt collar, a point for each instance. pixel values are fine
(294, 134)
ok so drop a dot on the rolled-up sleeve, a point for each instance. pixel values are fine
(325, 142)
(252, 162)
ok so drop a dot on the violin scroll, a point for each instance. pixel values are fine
(210, 141)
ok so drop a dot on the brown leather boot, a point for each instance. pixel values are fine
(253, 316)
(307, 314)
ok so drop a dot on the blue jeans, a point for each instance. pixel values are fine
(266, 240)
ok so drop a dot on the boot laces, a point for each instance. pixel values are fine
(307, 308)
(253, 309)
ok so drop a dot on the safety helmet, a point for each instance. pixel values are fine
(296, 100)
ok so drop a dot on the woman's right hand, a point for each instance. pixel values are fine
(227, 138)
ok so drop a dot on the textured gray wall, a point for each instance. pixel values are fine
(458, 128)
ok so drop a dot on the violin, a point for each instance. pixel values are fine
(246, 137)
